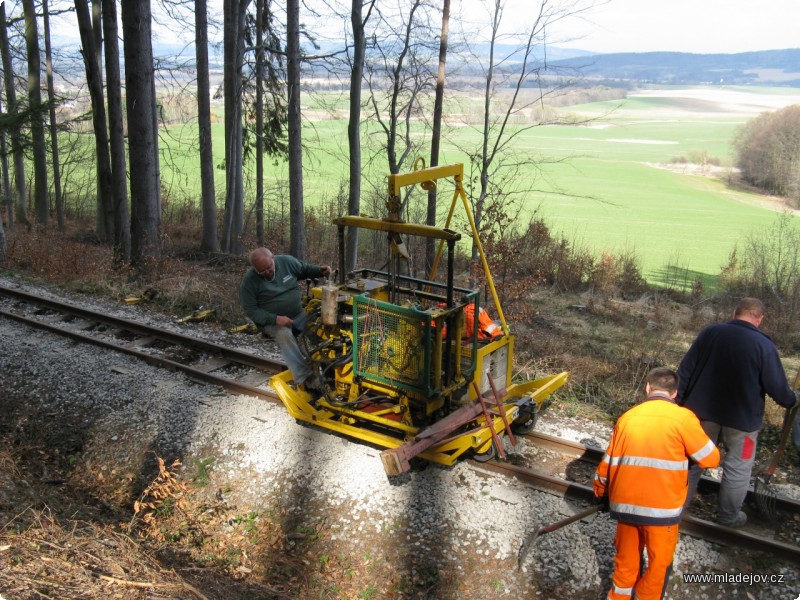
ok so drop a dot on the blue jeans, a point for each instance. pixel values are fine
(287, 342)
(737, 466)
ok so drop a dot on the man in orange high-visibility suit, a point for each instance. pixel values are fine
(487, 329)
(644, 474)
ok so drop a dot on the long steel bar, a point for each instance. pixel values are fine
(593, 455)
(690, 525)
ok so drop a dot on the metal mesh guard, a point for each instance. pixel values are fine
(390, 343)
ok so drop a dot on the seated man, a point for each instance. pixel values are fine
(270, 296)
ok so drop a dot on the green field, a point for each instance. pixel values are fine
(621, 195)
(618, 189)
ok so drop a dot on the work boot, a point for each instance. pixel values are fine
(314, 385)
(739, 520)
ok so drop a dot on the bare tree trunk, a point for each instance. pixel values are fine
(297, 240)
(11, 101)
(94, 79)
(7, 199)
(119, 179)
(408, 77)
(358, 23)
(436, 134)
(209, 241)
(6, 192)
(260, 122)
(51, 98)
(142, 133)
(105, 201)
(6, 184)
(234, 188)
(3, 243)
(38, 142)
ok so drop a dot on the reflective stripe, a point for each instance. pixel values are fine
(646, 511)
(704, 451)
(602, 480)
(645, 461)
(622, 591)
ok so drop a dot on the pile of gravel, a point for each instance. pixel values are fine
(456, 519)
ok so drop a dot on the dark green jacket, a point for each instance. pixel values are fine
(264, 299)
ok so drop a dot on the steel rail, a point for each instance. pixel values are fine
(148, 335)
(233, 355)
(593, 455)
(690, 525)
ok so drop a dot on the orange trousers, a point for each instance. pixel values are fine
(628, 581)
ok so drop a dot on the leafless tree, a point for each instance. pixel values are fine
(514, 86)
(6, 190)
(436, 132)
(51, 102)
(209, 241)
(7, 200)
(260, 122)
(38, 142)
(15, 121)
(234, 31)
(358, 21)
(119, 179)
(94, 80)
(398, 76)
(142, 133)
(297, 240)
(768, 152)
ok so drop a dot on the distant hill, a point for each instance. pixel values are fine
(768, 67)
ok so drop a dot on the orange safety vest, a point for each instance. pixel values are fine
(645, 468)
(487, 329)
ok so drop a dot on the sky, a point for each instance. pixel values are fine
(698, 26)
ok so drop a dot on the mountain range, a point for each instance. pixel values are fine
(767, 67)
(762, 68)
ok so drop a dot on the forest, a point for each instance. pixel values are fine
(156, 111)
(392, 59)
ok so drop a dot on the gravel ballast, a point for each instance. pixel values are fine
(456, 522)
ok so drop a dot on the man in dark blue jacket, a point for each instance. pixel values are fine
(723, 379)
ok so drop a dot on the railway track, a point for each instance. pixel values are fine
(691, 524)
(246, 373)
(241, 372)
(593, 455)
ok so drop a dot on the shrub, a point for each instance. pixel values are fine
(766, 264)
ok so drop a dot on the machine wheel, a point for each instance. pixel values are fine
(526, 420)
(490, 454)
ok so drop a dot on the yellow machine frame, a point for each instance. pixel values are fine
(432, 390)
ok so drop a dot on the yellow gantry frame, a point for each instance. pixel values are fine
(427, 177)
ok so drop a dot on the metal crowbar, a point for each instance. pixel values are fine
(765, 494)
(531, 537)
